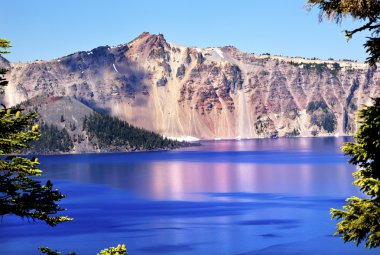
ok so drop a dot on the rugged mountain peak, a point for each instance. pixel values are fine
(142, 36)
(148, 39)
(206, 93)
(157, 41)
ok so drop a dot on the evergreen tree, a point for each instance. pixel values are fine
(4, 44)
(20, 193)
(52, 140)
(119, 250)
(360, 218)
(107, 131)
(367, 11)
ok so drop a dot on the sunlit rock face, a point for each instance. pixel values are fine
(206, 93)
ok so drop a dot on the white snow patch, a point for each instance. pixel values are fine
(114, 67)
(219, 52)
(217, 138)
(184, 138)
(198, 50)
(74, 119)
(238, 137)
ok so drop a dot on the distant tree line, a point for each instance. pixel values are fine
(52, 139)
(318, 67)
(104, 132)
(107, 131)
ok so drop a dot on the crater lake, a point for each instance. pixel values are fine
(264, 196)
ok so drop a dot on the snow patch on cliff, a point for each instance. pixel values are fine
(184, 138)
(114, 67)
(219, 52)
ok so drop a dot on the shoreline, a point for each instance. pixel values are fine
(190, 144)
(274, 138)
(106, 151)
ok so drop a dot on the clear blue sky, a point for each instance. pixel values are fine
(47, 29)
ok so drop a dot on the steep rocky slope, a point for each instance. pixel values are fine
(69, 126)
(65, 113)
(206, 93)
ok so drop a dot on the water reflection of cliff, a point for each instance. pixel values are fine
(181, 181)
(228, 197)
(291, 166)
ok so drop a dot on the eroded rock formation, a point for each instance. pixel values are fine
(206, 93)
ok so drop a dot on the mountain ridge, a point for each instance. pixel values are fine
(217, 92)
(296, 59)
(348, 62)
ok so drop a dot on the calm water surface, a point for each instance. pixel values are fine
(225, 197)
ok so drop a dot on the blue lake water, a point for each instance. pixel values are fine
(225, 197)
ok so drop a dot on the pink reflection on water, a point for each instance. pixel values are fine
(299, 172)
(190, 180)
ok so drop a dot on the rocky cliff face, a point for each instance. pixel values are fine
(206, 93)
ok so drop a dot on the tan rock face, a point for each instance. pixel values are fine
(206, 93)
